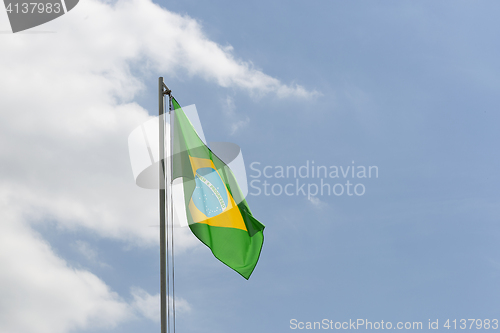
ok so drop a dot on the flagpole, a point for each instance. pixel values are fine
(163, 247)
(166, 213)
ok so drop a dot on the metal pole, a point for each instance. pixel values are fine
(163, 247)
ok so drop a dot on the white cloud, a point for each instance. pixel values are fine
(41, 293)
(235, 121)
(149, 305)
(89, 253)
(141, 31)
(86, 250)
(236, 126)
(317, 203)
(66, 110)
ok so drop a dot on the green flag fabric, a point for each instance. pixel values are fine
(216, 211)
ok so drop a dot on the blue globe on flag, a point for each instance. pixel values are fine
(210, 195)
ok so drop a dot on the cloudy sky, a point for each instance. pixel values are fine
(410, 88)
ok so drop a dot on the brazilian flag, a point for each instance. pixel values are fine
(217, 213)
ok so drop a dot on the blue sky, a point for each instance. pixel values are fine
(410, 87)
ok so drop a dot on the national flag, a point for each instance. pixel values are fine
(216, 210)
